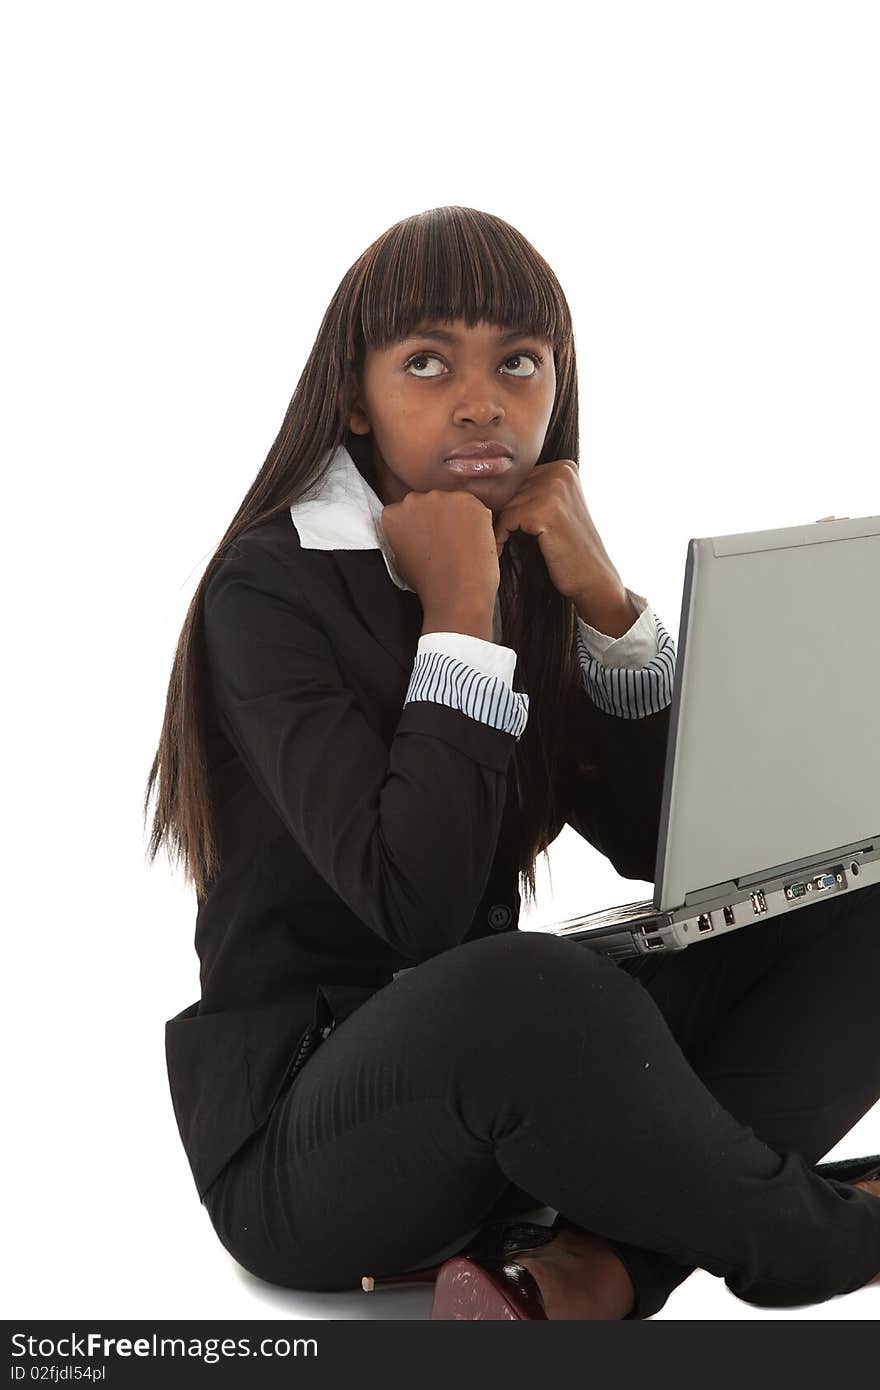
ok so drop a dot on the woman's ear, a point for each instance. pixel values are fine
(357, 420)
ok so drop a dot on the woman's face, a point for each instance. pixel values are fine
(448, 385)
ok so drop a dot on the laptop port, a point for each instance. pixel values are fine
(728, 916)
(759, 902)
(704, 921)
(653, 942)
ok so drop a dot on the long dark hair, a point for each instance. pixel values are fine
(446, 263)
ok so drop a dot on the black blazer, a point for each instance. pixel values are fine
(358, 835)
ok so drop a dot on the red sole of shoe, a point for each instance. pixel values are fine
(466, 1291)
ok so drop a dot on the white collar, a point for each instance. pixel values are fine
(345, 516)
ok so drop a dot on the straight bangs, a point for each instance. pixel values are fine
(456, 263)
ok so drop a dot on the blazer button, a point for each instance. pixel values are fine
(499, 916)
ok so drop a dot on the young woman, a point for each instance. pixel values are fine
(402, 674)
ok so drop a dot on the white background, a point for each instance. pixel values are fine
(185, 186)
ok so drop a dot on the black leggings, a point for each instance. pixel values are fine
(673, 1104)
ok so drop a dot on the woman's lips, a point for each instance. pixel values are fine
(489, 466)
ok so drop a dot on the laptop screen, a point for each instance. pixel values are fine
(774, 750)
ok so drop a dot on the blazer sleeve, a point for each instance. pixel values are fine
(619, 722)
(618, 808)
(405, 835)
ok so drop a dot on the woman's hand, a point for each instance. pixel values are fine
(551, 505)
(443, 548)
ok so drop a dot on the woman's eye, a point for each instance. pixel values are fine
(534, 357)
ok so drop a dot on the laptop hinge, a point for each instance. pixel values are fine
(718, 890)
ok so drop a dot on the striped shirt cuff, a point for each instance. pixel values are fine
(632, 692)
(444, 679)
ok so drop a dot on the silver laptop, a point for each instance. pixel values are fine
(771, 794)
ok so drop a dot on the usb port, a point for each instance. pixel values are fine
(654, 942)
(759, 902)
(728, 916)
(704, 921)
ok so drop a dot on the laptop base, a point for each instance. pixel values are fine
(640, 929)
